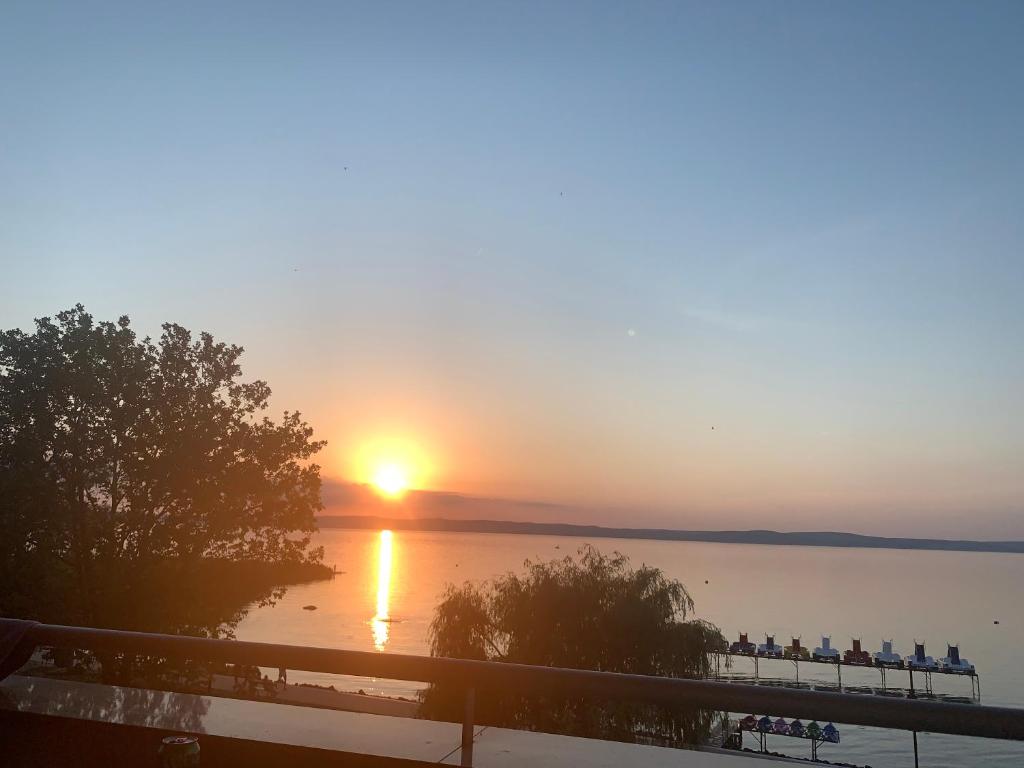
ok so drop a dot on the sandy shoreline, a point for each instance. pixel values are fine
(322, 698)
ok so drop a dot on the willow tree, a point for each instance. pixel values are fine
(592, 611)
(141, 484)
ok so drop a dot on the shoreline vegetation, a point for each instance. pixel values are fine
(145, 484)
(207, 597)
(588, 611)
(212, 595)
(796, 538)
(255, 580)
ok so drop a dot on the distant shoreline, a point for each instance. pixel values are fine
(799, 539)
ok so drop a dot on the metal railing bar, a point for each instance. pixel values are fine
(852, 709)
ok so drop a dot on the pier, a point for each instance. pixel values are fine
(924, 676)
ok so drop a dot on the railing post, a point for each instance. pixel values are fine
(467, 729)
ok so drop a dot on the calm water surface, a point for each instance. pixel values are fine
(392, 582)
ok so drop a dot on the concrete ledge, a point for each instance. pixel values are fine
(54, 722)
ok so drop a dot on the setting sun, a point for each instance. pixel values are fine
(391, 465)
(391, 479)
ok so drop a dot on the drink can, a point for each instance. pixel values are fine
(179, 752)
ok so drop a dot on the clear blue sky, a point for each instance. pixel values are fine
(570, 239)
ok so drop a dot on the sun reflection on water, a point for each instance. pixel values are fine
(381, 623)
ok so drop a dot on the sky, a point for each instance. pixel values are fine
(695, 265)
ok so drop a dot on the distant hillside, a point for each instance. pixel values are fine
(803, 538)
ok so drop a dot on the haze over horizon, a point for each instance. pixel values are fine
(705, 266)
(350, 500)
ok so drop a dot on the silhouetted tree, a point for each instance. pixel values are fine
(589, 612)
(133, 474)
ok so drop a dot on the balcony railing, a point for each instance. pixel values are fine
(854, 709)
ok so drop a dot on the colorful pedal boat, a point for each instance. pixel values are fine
(825, 651)
(887, 657)
(952, 662)
(857, 655)
(796, 651)
(743, 646)
(919, 661)
(770, 648)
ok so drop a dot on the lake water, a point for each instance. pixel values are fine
(937, 597)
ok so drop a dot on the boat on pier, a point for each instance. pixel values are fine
(796, 651)
(887, 657)
(743, 647)
(918, 660)
(856, 655)
(825, 652)
(769, 648)
(952, 662)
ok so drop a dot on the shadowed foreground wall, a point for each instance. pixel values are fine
(39, 741)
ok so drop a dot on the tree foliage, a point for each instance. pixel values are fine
(130, 469)
(592, 611)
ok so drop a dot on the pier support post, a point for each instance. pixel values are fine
(467, 729)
